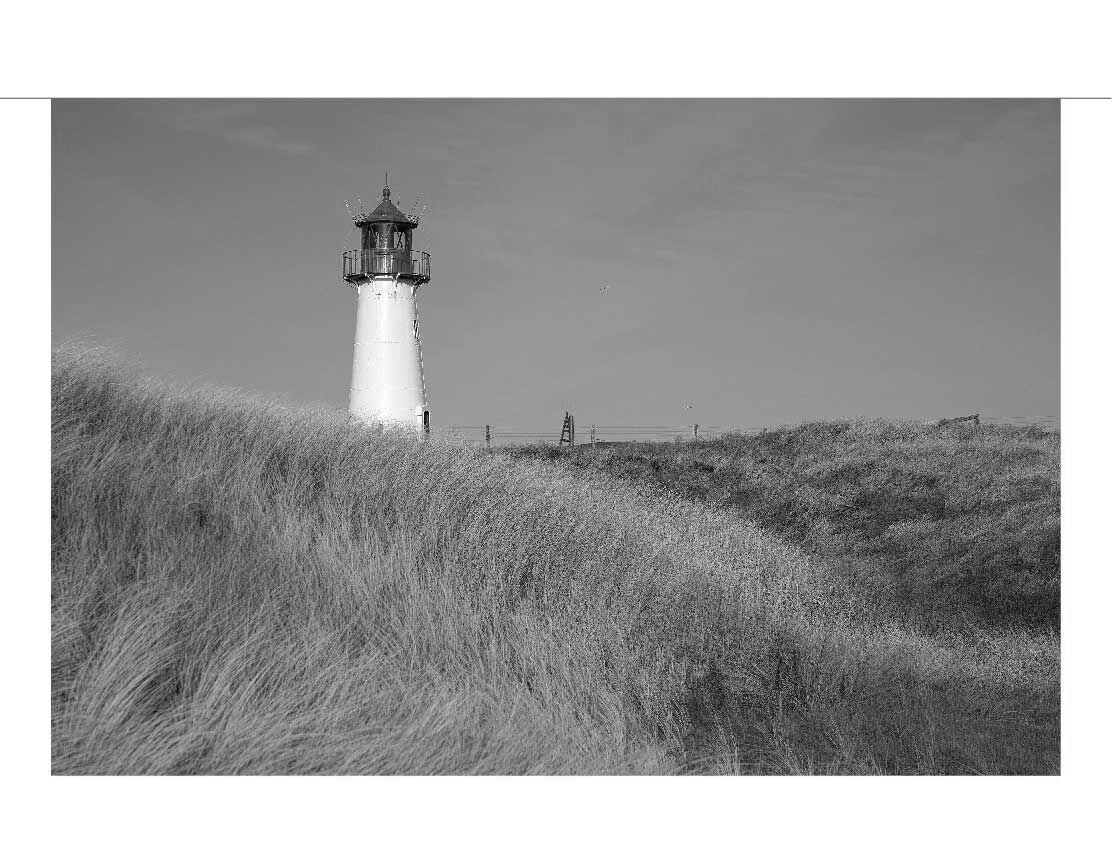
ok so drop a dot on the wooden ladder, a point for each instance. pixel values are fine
(567, 433)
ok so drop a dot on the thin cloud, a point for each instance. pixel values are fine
(268, 138)
(236, 124)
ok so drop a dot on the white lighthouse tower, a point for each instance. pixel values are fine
(387, 380)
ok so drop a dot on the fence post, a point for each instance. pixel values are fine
(592, 436)
(488, 436)
(695, 432)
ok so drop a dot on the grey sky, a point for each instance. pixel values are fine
(768, 261)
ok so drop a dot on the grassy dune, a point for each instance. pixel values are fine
(246, 587)
(958, 524)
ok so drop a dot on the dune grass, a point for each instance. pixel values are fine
(959, 524)
(247, 587)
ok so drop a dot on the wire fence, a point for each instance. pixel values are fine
(585, 434)
(497, 435)
(1050, 423)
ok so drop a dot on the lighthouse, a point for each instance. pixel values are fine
(387, 379)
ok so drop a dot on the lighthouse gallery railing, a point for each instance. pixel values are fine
(363, 263)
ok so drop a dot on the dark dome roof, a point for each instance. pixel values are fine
(385, 212)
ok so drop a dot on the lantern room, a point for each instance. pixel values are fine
(386, 245)
(386, 227)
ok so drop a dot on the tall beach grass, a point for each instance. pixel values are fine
(242, 586)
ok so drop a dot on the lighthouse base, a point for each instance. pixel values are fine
(387, 376)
